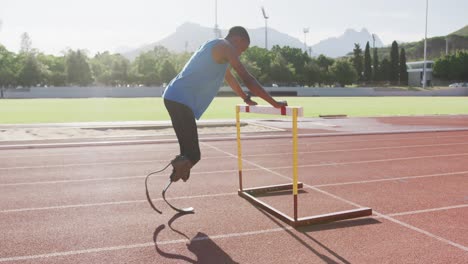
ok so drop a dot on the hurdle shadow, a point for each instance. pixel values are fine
(321, 227)
(204, 248)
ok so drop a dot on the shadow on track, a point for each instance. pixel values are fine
(315, 228)
(204, 248)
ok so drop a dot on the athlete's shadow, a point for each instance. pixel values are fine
(205, 249)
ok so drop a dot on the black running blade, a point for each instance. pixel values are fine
(188, 210)
(149, 198)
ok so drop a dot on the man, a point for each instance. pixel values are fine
(189, 94)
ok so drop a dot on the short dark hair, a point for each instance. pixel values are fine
(239, 31)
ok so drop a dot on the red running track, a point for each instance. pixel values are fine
(87, 205)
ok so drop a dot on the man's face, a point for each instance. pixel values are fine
(241, 45)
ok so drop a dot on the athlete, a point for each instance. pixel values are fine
(190, 93)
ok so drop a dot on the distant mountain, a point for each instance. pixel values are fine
(461, 32)
(339, 46)
(189, 36)
(436, 46)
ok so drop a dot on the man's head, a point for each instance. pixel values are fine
(239, 38)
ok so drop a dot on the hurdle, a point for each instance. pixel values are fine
(250, 193)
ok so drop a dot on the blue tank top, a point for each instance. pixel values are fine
(199, 81)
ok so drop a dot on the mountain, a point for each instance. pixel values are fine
(189, 36)
(436, 46)
(463, 32)
(339, 46)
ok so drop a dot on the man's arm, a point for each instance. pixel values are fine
(231, 80)
(249, 81)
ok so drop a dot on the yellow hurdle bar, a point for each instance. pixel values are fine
(239, 147)
(295, 177)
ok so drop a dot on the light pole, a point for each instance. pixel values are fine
(266, 27)
(373, 41)
(306, 30)
(446, 46)
(425, 48)
(217, 32)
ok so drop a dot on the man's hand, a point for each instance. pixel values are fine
(248, 99)
(250, 102)
(280, 104)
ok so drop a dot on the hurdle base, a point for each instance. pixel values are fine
(272, 188)
(249, 193)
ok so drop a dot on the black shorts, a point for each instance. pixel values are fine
(183, 121)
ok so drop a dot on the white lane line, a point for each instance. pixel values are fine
(446, 241)
(394, 179)
(94, 163)
(429, 210)
(143, 245)
(230, 138)
(342, 141)
(94, 153)
(271, 154)
(370, 161)
(79, 180)
(115, 178)
(386, 178)
(356, 149)
(419, 230)
(110, 203)
(262, 145)
(222, 157)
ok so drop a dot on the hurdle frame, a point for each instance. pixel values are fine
(249, 193)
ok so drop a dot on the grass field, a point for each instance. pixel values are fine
(15, 111)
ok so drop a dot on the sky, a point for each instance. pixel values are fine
(114, 25)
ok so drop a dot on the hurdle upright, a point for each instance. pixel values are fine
(249, 193)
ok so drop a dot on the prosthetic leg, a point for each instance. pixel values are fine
(181, 170)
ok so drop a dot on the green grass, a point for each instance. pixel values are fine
(15, 111)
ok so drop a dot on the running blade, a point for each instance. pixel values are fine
(188, 210)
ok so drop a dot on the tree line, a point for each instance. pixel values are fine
(284, 66)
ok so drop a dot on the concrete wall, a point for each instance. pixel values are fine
(87, 92)
(367, 91)
(83, 92)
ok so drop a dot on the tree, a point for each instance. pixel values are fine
(367, 64)
(147, 68)
(53, 69)
(119, 70)
(297, 58)
(358, 61)
(180, 59)
(344, 72)
(312, 73)
(375, 66)
(452, 67)
(78, 69)
(30, 73)
(26, 43)
(167, 72)
(324, 63)
(8, 69)
(403, 72)
(394, 63)
(384, 71)
(259, 59)
(282, 71)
